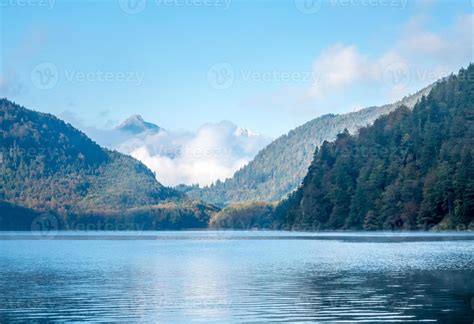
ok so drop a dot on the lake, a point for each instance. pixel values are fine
(180, 277)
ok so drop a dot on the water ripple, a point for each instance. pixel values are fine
(237, 280)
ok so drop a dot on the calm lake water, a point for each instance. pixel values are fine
(180, 277)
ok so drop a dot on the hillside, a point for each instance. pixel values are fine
(241, 216)
(410, 170)
(280, 167)
(47, 165)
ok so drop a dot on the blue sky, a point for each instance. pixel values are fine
(265, 65)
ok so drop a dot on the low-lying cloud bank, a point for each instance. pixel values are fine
(214, 152)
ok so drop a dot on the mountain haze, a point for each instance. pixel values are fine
(280, 167)
(49, 166)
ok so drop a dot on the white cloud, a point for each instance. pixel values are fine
(418, 40)
(454, 43)
(340, 66)
(337, 67)
(418, 57)
(214, 152)
(202, 171)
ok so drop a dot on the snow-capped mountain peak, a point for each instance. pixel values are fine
(245, 132)
(136, 124)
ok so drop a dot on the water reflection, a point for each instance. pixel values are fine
(219, 280)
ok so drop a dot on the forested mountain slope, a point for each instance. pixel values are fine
(281, 166)
(47, 165)
(412, 169)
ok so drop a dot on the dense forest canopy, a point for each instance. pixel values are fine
(49, 166)
(410, 170)
(244, 215)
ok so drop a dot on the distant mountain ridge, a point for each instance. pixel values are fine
(136, 124)
(280, 167)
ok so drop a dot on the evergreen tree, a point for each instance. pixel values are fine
(409, 170)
